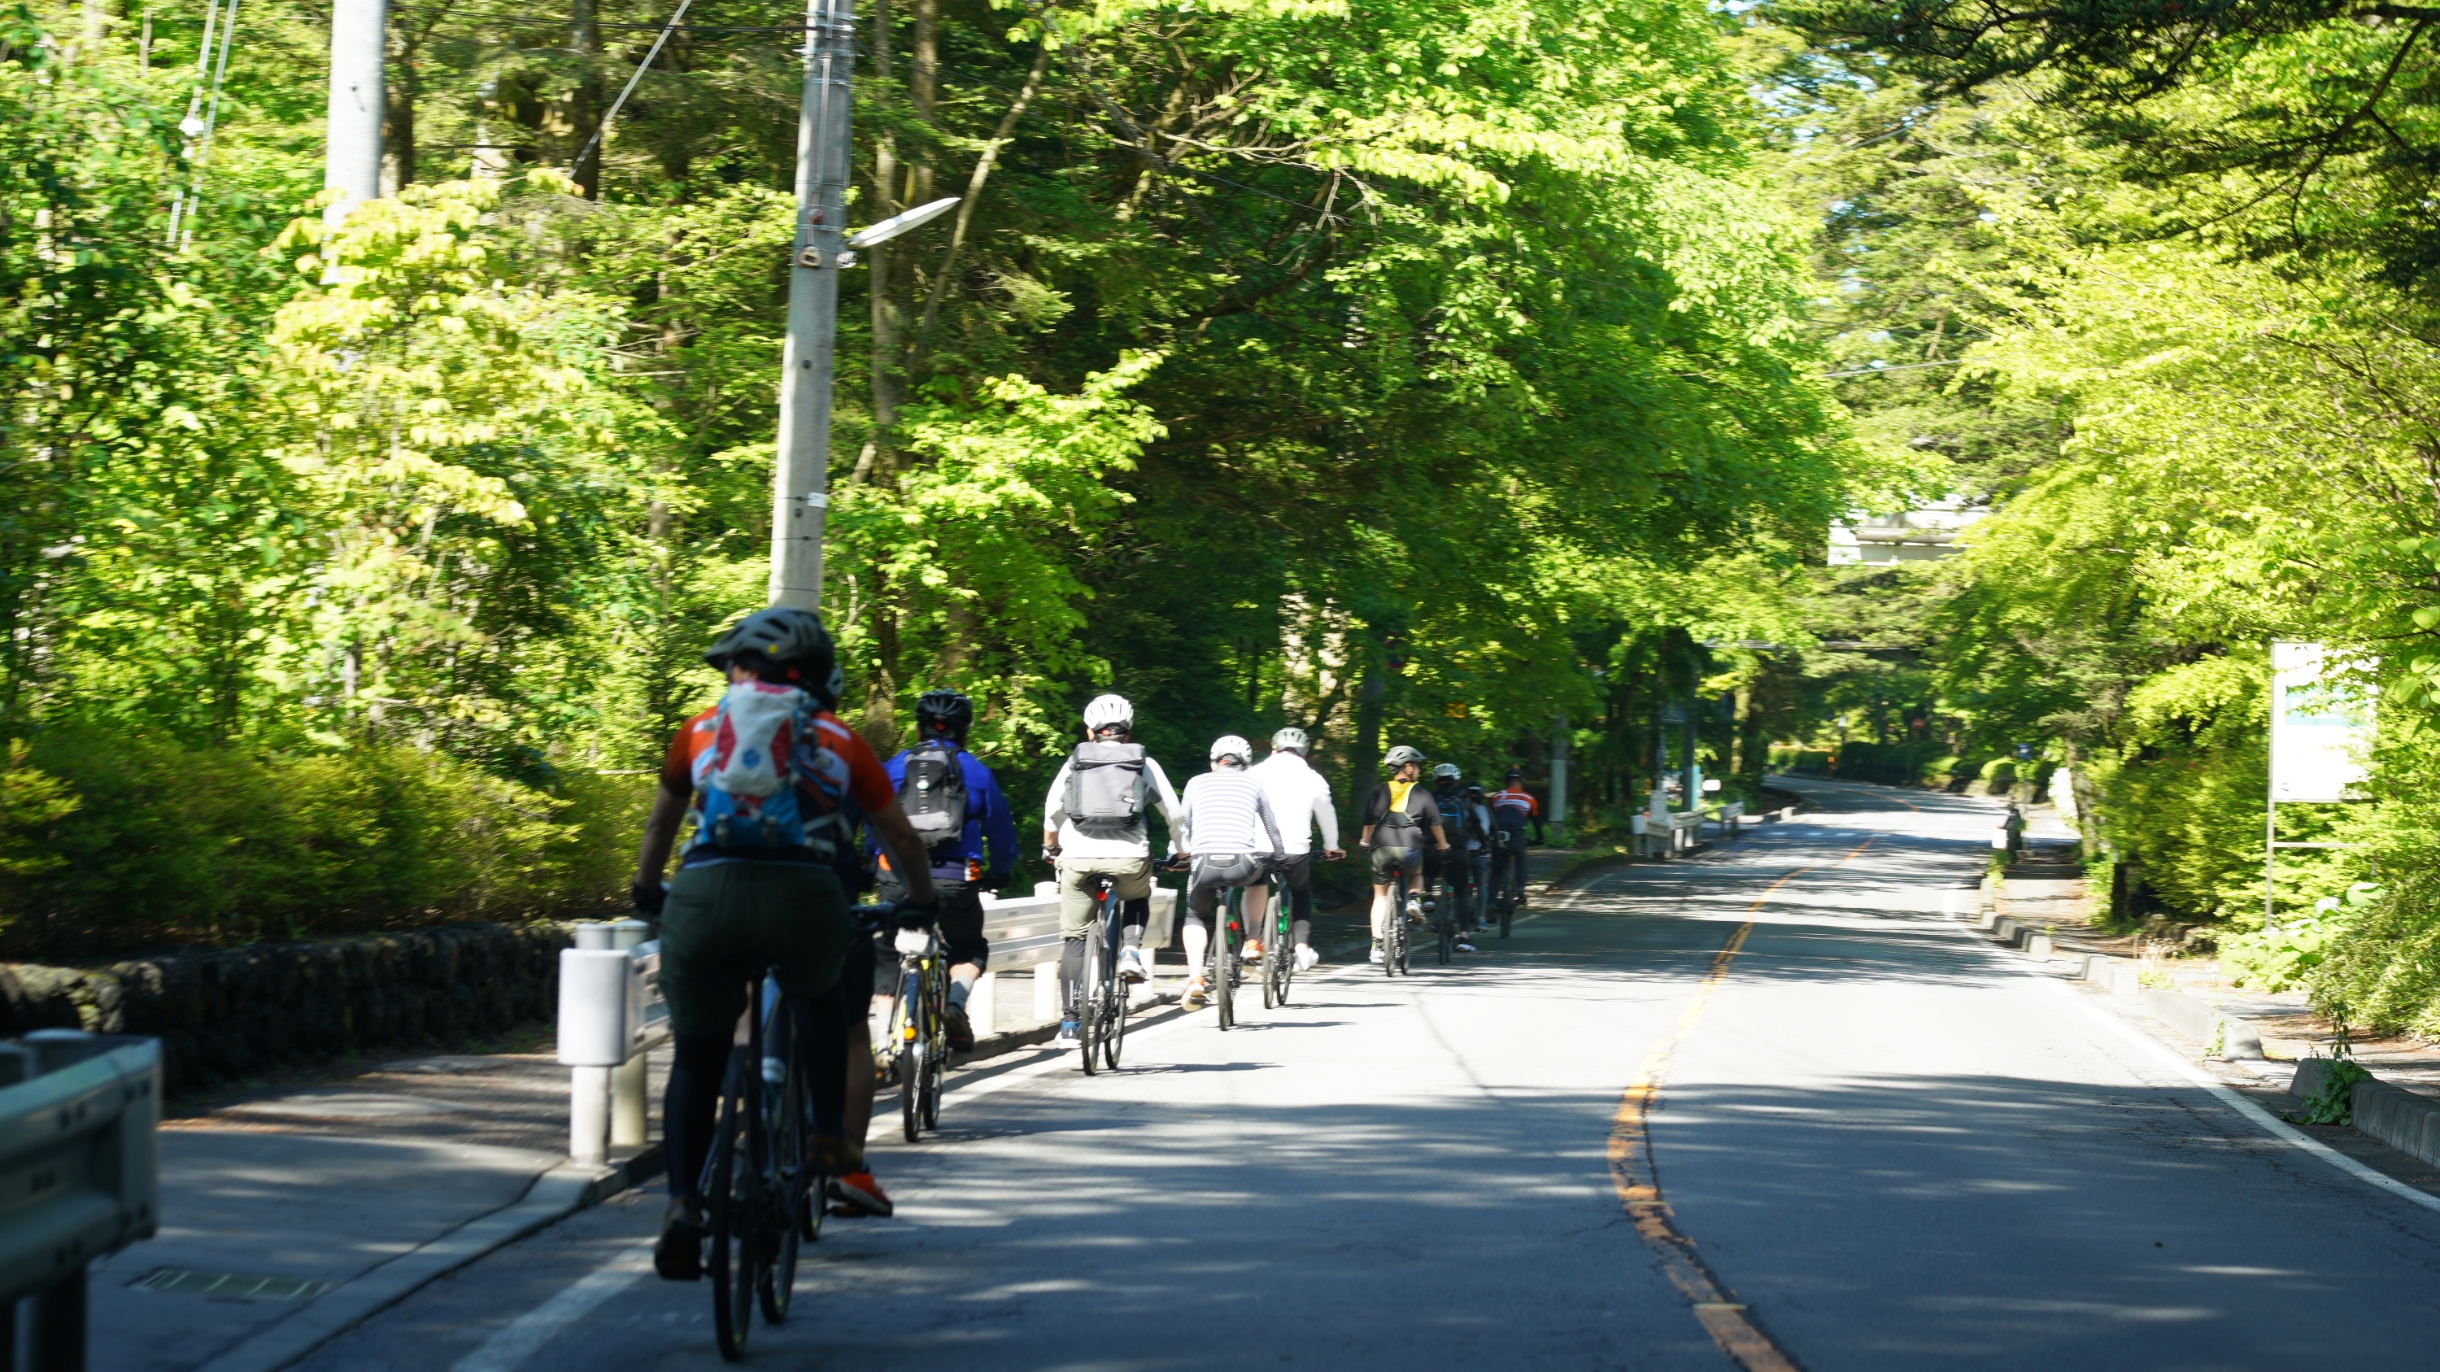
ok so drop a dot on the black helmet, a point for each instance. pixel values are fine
(1516, 774)
(944, 712)
(785, 645)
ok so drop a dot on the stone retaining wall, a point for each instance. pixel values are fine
(232, 1013)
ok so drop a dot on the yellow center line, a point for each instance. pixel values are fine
(1631, 1172)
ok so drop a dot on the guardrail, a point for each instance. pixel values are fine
(80, 1176)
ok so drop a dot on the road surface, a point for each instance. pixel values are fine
(1761, 1107)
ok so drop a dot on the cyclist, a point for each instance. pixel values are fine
(1448, 869)
(756, 888)
(1512, 809)
(1225, 823)
(1093, 822)
(945, 778)
(1479, 837)
(1396, 816)
(1300, 799)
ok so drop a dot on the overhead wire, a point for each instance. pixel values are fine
(603, 127)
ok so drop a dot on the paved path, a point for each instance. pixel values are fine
(1761, 1100)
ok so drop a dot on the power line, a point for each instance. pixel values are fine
(621, 103)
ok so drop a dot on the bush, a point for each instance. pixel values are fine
(128, 842)
(2275, 959)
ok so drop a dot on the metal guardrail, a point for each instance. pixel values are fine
(80, 1177)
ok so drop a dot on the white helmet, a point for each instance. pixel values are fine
(1447, 771)
(1106, 710)
(1290, 737)
(1400, 756)
(1232, 748)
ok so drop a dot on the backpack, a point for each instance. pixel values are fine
(1106, 783)
(767, 781)
(933, 793)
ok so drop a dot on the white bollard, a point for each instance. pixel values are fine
(589, 1115)
(1046, 990)
(630, 1112)
(983, 1005)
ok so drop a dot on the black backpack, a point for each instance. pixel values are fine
(933, 792)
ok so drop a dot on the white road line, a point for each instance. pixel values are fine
(523, 1337)
(2269, 1123)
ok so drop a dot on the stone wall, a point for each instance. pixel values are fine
(232, 1013)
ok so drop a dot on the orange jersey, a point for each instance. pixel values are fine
(1515, 800)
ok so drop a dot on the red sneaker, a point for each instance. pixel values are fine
(858, 1194)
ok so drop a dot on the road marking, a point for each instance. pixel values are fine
(521, 1338)
(1715, 1307)
(2268, 1122)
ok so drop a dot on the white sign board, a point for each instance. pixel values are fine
(2321, 723)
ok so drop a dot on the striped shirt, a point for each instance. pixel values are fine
(1226, 812)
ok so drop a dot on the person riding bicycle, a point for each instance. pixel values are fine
(769, 777)
(1397, 815)
(954, 803)
(1225, 824)
(1479, 838)
(1448, 870)
(1512, 809)
(1300, 799)
(1093, 823)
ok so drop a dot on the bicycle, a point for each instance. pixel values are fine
(919, 1030)
(1221, 982)
(1507, 876)
(1278, 959)
(1393, 926)
(1101, 1011)
(758, 1185)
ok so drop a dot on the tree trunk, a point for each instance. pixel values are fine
(585, 101)
(925, 88)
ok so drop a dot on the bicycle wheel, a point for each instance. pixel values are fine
(1114, 1022)
(732, 1197)
(1447, 944)
(788, 1191)
(1224, 964)
(1508, 910)
(936, 1062)
(1089, 1000)
(1406, 931)
(913, 1046)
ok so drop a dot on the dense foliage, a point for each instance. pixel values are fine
(1402, 371)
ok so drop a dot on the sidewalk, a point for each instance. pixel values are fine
(284, 1206)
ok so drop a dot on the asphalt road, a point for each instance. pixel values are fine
(1639, 1133)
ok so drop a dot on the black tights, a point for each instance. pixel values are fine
(690, 1111)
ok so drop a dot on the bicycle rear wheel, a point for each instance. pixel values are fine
(914, 1042)
(1089, 1000)
(936, 1062)
(732, 1200)
(1224, 965)
(1508, 910)
(1114, 1022)
(788, 1192)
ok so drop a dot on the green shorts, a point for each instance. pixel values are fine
(727, 922)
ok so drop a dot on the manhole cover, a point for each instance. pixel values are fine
(233, 1286)
(347, 1105)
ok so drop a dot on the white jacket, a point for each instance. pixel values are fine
(1300, 798)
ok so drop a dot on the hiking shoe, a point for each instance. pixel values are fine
(1376, 952)
(1133, 965)
(1306, 958)
(961, 1029)
(1069, 1035)
(859, 1195)
(1197, 994)
(678, 1254)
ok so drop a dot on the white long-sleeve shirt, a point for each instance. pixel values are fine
(1300, 799)
(1131, 841)
(1225, 813)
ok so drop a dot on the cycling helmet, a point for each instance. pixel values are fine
(784, 645)
(1231, 748)
(1447, 771)
(1516, 774)
(1402, 755)
(1290, 738)
(944, 712)
(1106, 710)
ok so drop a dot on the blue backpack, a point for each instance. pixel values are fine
(768, 781)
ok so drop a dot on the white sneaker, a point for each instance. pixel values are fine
(1132, 965)
(1069, 1036)
(1463, 945)
(1252, 954)
(1376, 952)
(1306, 958)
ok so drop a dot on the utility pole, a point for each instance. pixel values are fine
(1556, 820)
(800, 484)
(359, 39)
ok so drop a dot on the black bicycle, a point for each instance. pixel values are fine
(1101, 1015)
(1407, 908)
(1507, 876)
(1221, 980)
(1278, 959)
(759, 1183)
(919, 1030)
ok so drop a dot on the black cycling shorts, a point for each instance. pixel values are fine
(961, 918)
(1295, 873)
(1387, 860)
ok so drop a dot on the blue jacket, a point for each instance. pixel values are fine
(987, 817)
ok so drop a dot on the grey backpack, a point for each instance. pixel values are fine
(1106, 783)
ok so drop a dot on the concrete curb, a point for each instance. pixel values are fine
(554, 1196)
(2234, 1038)
(2386, 1111)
